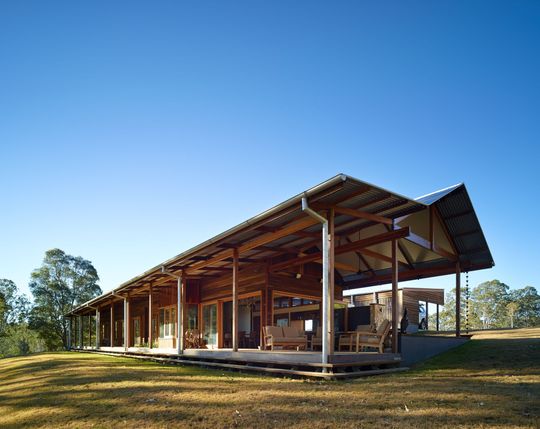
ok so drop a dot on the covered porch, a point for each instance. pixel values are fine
(287, 267)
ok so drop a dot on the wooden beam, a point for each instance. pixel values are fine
(403, 275)
(290, 244)
(368, 224)
(342, 266)
(380, 256)
(344, 248)
(404, 252)
(251, 244)
(362, 215)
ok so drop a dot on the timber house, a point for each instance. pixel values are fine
(268, 294)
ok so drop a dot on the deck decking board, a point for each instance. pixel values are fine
(302, 364)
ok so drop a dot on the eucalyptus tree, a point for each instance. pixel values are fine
(13, 305)
(527, 308)
(60, 284)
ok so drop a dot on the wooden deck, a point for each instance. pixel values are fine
(292, 363)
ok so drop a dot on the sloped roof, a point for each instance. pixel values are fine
(456, 210)
(348, 192)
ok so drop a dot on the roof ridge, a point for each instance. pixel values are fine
(440, 190)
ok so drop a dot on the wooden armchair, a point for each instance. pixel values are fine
(347, 339)
(373, 339)
(316, 340)
(193, 340)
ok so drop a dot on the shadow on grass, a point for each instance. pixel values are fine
(60, 390)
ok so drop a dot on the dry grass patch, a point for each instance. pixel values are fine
(492, 381)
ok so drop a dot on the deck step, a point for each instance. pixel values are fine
(250, 367)
(356, 374)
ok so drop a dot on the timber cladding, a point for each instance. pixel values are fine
(409, 299)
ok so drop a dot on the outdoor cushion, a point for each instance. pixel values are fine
(286, 339)
(382, 327)
(290, 332)
(364, 328)
(274, 331)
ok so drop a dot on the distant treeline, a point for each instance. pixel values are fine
(63, 282)
(491, 304)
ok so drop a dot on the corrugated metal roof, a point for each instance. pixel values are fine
(347, 192)
(458, 214)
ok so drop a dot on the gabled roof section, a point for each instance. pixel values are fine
(457, 212)
(365, 216)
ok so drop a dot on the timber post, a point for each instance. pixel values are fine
(235, 301)
(458, 300)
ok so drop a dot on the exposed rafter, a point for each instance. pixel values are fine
(349, 247)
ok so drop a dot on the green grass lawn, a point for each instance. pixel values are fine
(492, 381)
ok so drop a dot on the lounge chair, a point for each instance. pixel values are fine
(316, 340)
(347, 339)
(277, 336)
(373, 339)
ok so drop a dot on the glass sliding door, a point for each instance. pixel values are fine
(210, 328)
(249, 322)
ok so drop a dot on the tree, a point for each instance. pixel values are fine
(62, 283)
(512, 307)
(13, 305)
(15, 337)
(447, 315)
(490, 299)
(528, 306)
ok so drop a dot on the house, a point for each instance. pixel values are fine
(288, 266)
(411, 300)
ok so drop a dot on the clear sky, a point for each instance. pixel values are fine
(132, 131)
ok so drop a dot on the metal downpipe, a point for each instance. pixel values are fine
(326, 281)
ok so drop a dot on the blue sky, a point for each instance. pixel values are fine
(131, 131)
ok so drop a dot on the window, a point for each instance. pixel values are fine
(161, 323)
(167, 319)
(137, 331)
(193, 316)
(209, 316)
(282, 321)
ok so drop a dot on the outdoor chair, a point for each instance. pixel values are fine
(316, 340)
(373, 339)
(192, 339)
(347, 339)
(277, 336)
